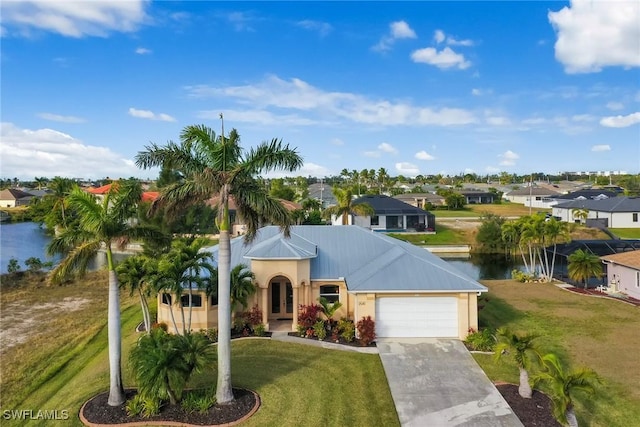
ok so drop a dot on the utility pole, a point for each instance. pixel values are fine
(530, 192)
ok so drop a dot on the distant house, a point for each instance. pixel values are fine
(536, 197)
(99, 192)
(586, 194)
(12, 198)
(477, 197)
(617, 212)
(623, 272)
(322, 192)
(392, 215)
(421, 200)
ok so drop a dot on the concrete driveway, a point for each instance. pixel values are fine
(435, 382)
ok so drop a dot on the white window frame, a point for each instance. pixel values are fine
(330, 296)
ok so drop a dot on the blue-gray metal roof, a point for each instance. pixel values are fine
(368, 261)
(614, 204)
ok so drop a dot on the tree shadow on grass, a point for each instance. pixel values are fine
(494, 312)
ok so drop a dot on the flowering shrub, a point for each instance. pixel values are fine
(308, 315)
(366, 331)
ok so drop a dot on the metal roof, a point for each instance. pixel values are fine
(385, 205)
(614, 204)
(368, 261)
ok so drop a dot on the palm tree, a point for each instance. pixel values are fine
(584, 265)
(102, 225)
(134, 272)
(216, 166)
(242, 286)
(580, 214)
(564, 385)
(346, 207)
(61, 188)
(522, 349)
(554, 230)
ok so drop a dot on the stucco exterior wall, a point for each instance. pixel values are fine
(626, 280)
(205, 317)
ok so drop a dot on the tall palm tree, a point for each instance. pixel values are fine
(554, 231)
(346, 207)
(564, 385)
(102, 225)
(134, 273)
(61, 188)
(523, 350)
(242, 286)
(584, 265)
(216, 166)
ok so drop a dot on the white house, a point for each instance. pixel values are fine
(623, 272)
(535, 197)
(617, 212)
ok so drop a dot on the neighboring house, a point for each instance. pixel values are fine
(623, 272)
(408, 291)
(391, 215)
(238, 226)
(473, 197)
(617, 212)
(322, 192)
(421, 200)
(586, 194)
(535, 197)
(99, 192)
(12, 198)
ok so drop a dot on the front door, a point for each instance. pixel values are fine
(281, 306)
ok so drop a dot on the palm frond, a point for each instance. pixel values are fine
(76, 261)
(269, 156)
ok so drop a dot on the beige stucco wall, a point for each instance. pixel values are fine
(205, 317)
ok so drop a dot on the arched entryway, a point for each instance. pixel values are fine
(280, 305)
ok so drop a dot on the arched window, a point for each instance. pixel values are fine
(330, 292)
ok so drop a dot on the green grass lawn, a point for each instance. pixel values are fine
(65, 362)
(444, 236)
(584, 331)
(626, 233)
(476, 211)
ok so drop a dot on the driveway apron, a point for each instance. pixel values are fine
(435, 382)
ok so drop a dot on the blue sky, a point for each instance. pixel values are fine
(414, 87)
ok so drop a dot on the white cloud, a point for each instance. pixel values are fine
(27, 153)
(469, 170)
(146, 114)
(397, 30)
(337, 141)
(143, 51)
(423, 155)
(620, 121)
(387, 148)
(596, 34)
(603, 147)
(63, 119)
(321, 106)
(407, 169)
(476, 92)
(615, 106)
(492, 169)
(508, 158)
(72, 19)
(241, 21)
(322, 28)
(260, 117)
(498, 121)
(443, 59)
(439, 36)
(308, 169)
(372, 154)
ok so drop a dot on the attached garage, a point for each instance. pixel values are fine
(417, 316)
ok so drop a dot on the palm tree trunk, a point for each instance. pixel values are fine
(524, 389)
(146, 316)
(553, 262)
(116, 390)
(224, 392)
(173, 318)
(190, 306)
(572, 421)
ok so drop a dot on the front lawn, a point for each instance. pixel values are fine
(478, 210)
(626, 233)
(444, 236)
(598, 333)
(63, 362)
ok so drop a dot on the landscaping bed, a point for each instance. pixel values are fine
(97, 412)
(537, 411)
(328, 339)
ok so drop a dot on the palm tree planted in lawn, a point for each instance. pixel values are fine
(564, 385)
(346, 207)
(584, 265)
(523, 351)
(135, 273)
(217, 166)
(102, 225)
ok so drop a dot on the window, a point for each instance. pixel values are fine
(166, 299)
(214, 300)
(375, 220)
(634, 216)
(330, 292)
(196, 300)
(637, 279)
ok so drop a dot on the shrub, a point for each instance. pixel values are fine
(212, 334)
(319, 330)
(521, 276)
(151, 406)
(13, 266)
(302, 330)
(135, 406)
(34, 265)
(160, 325)
(347, 330)
(198, 401)
(308, 315)
(253, 317)
(483, 340)
(366, 331)
(259, 330)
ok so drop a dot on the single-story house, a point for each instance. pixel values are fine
(421, 200)
(535, 197)
(408, 291)
(616, 212)
(479, 197)
(586, 194)
(323, 192)
(623, 272)
(99, 192)
(12, 198)
(391, 214)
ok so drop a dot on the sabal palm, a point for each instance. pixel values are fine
(346, 207)
(102, 225)
(216, 166)
(523, 350)
(584, 265)
(242, 286)
(563, 386)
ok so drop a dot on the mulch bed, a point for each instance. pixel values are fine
(598, 293)
(341, 341)
(536, 411)
(97, 412)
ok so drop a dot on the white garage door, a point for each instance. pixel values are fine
(417, 317)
